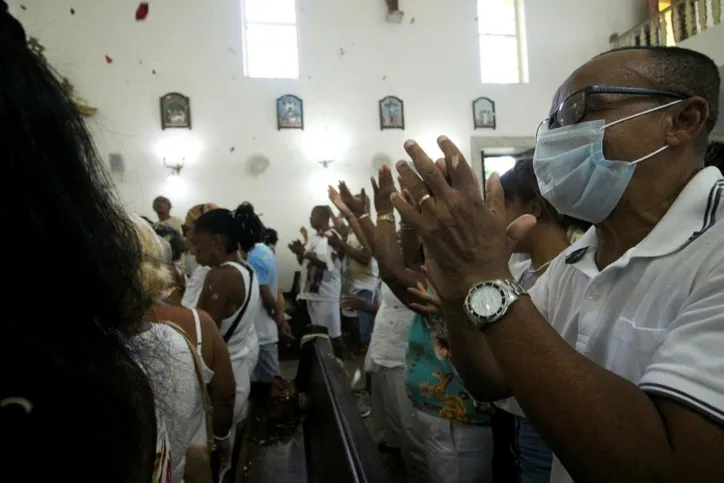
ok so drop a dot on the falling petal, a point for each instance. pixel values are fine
(109, 60)
(142, 11)
(153, 72)
(72, 11)
(23, 7)
(232, 149)
(412, 20)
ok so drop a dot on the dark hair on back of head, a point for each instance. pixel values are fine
(683, 71)
(173, 237)
(520, 183)
(323, 210)
(72, 312)
(715, 155)
(242, 227)
(270, 236)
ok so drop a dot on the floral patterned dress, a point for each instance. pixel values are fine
(433, 384)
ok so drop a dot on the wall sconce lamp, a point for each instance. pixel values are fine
(175, 168)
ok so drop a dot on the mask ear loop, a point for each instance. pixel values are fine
(633, 116)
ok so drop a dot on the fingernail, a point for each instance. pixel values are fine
(442, 139)
(409, 143)
(401, 164)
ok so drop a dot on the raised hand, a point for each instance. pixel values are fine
(336, 200)
(296, 247)
(429, 300)
(358, 205)
(334, 241)
(383, 191)
(305, 236)
(465, 239)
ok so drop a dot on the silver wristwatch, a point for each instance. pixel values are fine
(488, 302)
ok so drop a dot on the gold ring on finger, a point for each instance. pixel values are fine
(423, 199)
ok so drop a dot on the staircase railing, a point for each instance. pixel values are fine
(682, 20)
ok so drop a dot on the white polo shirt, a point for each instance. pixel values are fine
(656, 315)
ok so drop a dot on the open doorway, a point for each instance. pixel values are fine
(492, 161)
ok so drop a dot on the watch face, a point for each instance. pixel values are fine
(487, 301)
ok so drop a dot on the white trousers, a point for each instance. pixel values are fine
(392, 412)
(243, 370)
(327, 315)
(455, 452)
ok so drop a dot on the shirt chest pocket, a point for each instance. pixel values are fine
(630, 348)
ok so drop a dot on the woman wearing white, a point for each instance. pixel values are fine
(195, 272)
(166, 353)
(231, 292)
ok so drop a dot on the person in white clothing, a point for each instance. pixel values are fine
(322, 281)
(164, 351)
(231, 291)
(616, 357)
(392, 410)
(195, 273)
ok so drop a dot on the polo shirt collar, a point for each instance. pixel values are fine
(697, 208)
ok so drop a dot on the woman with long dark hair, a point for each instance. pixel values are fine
(68, 370)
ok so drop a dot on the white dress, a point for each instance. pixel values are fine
(170, 366)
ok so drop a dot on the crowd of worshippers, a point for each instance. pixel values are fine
(568, 327)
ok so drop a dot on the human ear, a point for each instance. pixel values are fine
(535, 208)
(686, 121)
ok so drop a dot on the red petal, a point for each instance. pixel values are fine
(142, 11)
(109, 60)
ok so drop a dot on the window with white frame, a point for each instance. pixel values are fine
(270, 39)
(501, 55)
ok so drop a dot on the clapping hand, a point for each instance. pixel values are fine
(430, 301)
(383, 191)
(354, 302)
(296, 247)
(358, 205)
(465, 238)
(334, 241)
(336, 200)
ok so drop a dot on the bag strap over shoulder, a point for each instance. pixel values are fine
(208, 408)
(241, 313)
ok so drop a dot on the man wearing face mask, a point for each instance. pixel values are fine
(616, 355)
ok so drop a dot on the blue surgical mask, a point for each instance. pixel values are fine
(574, 175)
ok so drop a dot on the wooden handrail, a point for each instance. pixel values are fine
(338, 444)
(680, 21)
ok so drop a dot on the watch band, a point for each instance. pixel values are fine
(509, 291)
(387, 217)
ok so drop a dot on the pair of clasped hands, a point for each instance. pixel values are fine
(465, 238)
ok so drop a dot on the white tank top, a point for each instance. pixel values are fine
(243, 344)
(244, 337)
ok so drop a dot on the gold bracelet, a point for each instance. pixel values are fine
(388, 217)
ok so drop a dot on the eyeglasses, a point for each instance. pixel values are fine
(575, 107)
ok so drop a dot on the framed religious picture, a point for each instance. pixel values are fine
(484, 113)
(175, 111)
(290, 112)
(392, 113)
